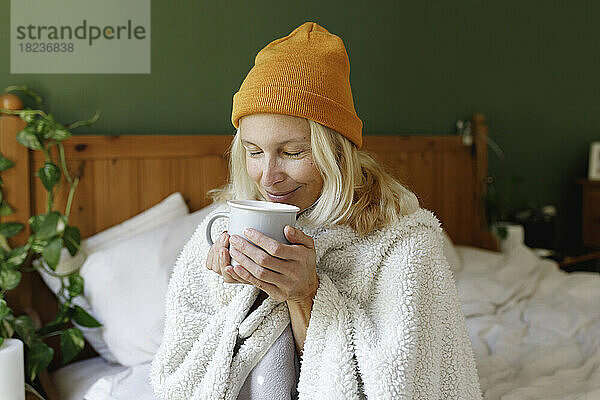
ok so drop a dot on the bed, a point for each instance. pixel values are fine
(535, 329)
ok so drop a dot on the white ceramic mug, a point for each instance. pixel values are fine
(264, 216)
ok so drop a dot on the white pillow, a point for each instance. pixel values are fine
(169, 209)
(451, 255)
(126, 285)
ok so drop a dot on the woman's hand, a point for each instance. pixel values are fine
(284, 272)
(218, 259)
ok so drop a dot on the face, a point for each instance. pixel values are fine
(279, 158)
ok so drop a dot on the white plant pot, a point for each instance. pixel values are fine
(12, 372)
(515, 236)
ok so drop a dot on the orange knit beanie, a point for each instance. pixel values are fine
(304, 74)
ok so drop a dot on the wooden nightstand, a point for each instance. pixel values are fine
(590, 212)
(586, 255)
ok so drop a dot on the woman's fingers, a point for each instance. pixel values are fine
(229, 270)
(210, 259)
(257, 271)
(229, 275)
(219, 259)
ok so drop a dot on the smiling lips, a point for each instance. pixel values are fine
(281, 194)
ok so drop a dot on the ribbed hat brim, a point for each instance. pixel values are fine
(297, 102)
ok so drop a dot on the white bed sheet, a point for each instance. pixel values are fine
(98, 379)
(535, 331)
(74, 380)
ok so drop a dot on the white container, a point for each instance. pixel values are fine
(515, 236)
(12, 372)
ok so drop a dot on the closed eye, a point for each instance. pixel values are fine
(254, 154)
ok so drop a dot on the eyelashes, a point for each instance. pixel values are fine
(293, 155)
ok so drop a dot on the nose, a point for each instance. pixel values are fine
(272, 173)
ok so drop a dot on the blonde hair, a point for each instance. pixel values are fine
(357, 191)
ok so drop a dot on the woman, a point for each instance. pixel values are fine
(362, 295)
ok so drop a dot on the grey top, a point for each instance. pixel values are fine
(276, 374)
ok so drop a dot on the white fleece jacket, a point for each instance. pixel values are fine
(386, 321)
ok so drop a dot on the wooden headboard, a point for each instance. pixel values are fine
(122, 175)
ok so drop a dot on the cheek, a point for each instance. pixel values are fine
(306, 173)
(253, 169)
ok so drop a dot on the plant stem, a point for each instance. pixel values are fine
(50, 200)
(54, 274)
(70, 198)
(19, 112)
(63, 163)
(83, 123)
(25, 89)
(51, 334)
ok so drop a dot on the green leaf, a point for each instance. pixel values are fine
(27, 116)
(64, 314)
(4, 310)
(28, 138)
(51, 252)
(17, 256)
(49, 175)
(59, 134)
(6, 328)
(75, 285)
(5, 163)
(71, 343)
(51, 225)
(38, 245)
(10, 229)
(25, 329)
(39, 357)
(42, 126)
(84, 319)
(72, 238)
(9, 279)
(1, 340)
(5, 209)
(36, 221)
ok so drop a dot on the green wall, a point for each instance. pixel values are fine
(532, 67)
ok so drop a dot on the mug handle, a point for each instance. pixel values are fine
(220, 214)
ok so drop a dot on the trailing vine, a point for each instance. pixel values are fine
(50, 233)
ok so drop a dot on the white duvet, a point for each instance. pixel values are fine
(535, 331)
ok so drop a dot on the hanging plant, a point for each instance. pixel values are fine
(50, 232)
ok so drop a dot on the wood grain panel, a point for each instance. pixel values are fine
(453, 211)
(117, 190)
(157, 179)
(143, 146)
(421, 177)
